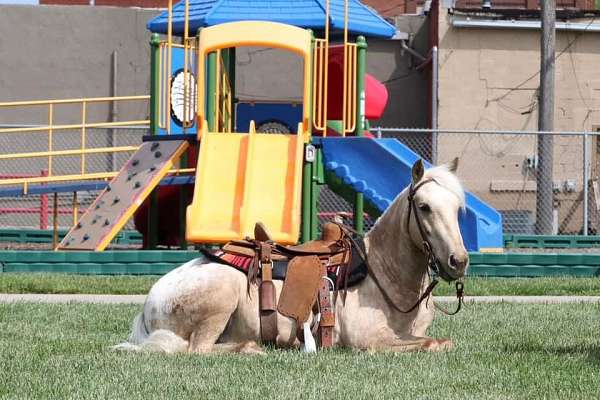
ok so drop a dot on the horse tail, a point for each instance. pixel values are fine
(161, 340)
(139, 332)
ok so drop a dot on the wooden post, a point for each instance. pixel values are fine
(544, 194)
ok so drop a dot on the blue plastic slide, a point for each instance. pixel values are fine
(381, 168)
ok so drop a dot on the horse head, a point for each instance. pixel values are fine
(435, 199)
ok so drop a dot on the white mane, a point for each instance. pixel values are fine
(444, 178)
(448, 180)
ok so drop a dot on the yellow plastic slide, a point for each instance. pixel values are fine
(242, 179)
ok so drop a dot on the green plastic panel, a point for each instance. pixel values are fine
(150, 262)
(549, 241)
(143, 262)
(45, 236)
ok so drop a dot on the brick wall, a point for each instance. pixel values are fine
(115, 3)
(392, 8)
(387, 8)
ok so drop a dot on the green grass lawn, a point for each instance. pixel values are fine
(90, 284)
(502, 351)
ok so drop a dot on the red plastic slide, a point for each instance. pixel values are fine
(376, 94)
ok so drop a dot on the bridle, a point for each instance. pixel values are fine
(433, 263)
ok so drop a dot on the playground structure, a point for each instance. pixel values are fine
(240, 175)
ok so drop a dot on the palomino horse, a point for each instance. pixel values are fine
(204, 306)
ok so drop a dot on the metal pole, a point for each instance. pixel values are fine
(434, 104)
(211, 96)
(586, 173)
(154, 82)
(114, 110)
(44, 205)
(306, 201)
(544, 195)
(75, 209)
(231, 73)
(152, 225)
(361, 69)
(55, 221)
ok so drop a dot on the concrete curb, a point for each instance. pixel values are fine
(139, 299)
(73, 298)
(524, 299)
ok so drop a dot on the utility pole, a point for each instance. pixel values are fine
(544, 196)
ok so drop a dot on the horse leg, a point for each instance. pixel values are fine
(418, 344)
(204, 337)
(249, 347)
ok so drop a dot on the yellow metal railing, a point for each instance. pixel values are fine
(349, 66)
(165, 101)
(321, 79)
(81, 143)
(320, 75)
(349, 94)
(189, 100)
(320, 82)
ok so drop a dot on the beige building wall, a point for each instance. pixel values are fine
(489, 80)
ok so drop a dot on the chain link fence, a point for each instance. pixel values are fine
(331, 206)
(502, 168)
(36, 211)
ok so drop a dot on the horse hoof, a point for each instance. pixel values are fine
(251, 348)
(445, 344)
(438, 345)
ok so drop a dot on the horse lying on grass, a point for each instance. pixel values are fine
(203, 306)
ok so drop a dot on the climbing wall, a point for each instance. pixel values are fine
(124, 194)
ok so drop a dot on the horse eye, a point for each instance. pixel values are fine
(424, 207)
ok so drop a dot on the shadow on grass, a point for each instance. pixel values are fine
(591, 352)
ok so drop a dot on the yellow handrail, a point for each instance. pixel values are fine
(319, 106)
(349, 113)
(78, 147)
(79, 177)
(58, 153)
(50, 134)
(71, 101)
(75, 126)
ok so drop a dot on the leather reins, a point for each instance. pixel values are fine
(433, 262)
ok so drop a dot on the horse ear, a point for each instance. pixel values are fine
(417, 171)
(453, 165)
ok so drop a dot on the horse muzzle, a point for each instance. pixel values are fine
(456, 267)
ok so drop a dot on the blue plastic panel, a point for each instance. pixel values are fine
(381, 169)
(308, 14)
(177, 64)
(284, 113)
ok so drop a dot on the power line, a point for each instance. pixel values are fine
(563, 51)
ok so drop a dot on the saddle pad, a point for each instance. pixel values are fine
(300, 288)
(243, 262)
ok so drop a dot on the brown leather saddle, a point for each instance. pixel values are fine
(306, 286)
